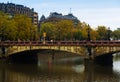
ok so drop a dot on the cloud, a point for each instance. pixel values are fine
(93, 12)
(108, 17)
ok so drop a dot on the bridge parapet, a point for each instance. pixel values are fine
(64, 43)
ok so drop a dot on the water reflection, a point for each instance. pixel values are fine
(78, 68)
(41, 74)
(71, 69)
(116, 65)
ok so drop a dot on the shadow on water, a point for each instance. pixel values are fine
(25, 57)
(98, 73)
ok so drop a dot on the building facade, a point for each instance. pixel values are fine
(13, 9)
(56, 17)
(35, 18)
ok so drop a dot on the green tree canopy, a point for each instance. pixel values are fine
(49, 29)
(116, 35)
(64, 28)
(15, 27)
(102, 32)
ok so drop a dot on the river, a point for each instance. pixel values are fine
(66, 69)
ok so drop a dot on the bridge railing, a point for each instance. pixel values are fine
(40, 43)
(60, 43)
(105, 43)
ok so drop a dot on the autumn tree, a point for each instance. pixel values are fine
(7, 27)
(102, 32)
(77, 34)
(66, 29)
(94, 34)
(15, 27)
(85, 29)
(10, 30)
(49, 29)
(24, 27)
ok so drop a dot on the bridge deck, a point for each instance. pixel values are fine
(60, 43)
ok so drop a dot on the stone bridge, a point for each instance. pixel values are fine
(87, 49)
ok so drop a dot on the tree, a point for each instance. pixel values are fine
(84, 31)
(77, 34)
(64, 29)
(94, 34)
(116, 35)
(10, 30)
(102, 32)
(49, 29)
(7, 27)
(25, 29)
(15, 27)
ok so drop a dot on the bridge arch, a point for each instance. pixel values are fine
(103, 50)
(105, 59)
(70, 49)
(29, 56)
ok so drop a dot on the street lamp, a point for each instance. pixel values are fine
(34, 37)
(89, 37)
(44, 36)
(108, 33)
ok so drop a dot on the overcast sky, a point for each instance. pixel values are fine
(93, 12)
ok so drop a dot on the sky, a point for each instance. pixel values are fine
(93, 12)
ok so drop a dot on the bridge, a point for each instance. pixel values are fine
(88, 49)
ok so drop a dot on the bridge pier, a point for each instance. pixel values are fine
(89, 52)
(3, 52)
(105, 60)
(102, 59)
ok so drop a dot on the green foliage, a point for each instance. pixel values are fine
(9, 30)
(63, 28)
(102, 32)
(58, 31)
(49, 29)
(16, 27)
(116, 35)
(20, 27)
(66, 30)
(77, 35)
(24, 27)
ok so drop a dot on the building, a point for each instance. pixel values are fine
(118, 28)
(35, 18)
(13, 9)
(56, 17)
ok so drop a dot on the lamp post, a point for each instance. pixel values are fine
(44, 36)
(34, 35)
(89, 37)
(108, 34)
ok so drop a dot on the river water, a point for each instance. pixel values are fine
(66, 69)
